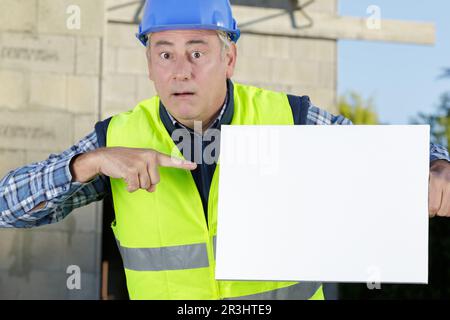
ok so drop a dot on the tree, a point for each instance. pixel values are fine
(357, 109)
(445, 73)
(440, 121)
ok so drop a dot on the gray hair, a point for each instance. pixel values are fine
(223, 37)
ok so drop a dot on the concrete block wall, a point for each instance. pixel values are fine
(50, 84)
(292, 65)
(299, 66)
(126, 75)
(56, 82)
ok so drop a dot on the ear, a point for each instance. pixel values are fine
(231, 57)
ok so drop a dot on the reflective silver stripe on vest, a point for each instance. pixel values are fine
(165, 258)
(299, 291)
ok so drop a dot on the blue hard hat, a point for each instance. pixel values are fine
(161, 15)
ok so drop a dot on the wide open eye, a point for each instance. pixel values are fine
(165, 55)
(196, 55)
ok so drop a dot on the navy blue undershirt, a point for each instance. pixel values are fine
(204, 172)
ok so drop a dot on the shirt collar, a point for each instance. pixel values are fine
(213, 124)
(225, 116)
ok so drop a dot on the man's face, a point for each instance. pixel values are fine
(189, 69)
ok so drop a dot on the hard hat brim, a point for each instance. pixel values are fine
(142, 36)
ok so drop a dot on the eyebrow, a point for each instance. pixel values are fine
(191, 42)
(168, 43)
(163, 43)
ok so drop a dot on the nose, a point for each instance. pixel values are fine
(182, 69)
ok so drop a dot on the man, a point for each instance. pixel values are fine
(166, 207)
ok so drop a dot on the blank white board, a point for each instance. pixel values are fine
(323, 203)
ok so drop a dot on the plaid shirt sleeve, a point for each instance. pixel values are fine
(317, 116)
(48, 181)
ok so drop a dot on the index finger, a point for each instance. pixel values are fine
(172, 162)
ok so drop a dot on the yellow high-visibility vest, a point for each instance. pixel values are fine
(167, 246)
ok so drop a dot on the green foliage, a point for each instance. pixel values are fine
(359, 111)
(439, 122)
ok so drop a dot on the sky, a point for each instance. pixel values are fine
(402, 78)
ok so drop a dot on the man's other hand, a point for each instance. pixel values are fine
(439, 189)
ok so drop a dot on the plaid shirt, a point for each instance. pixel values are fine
(50, 181)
